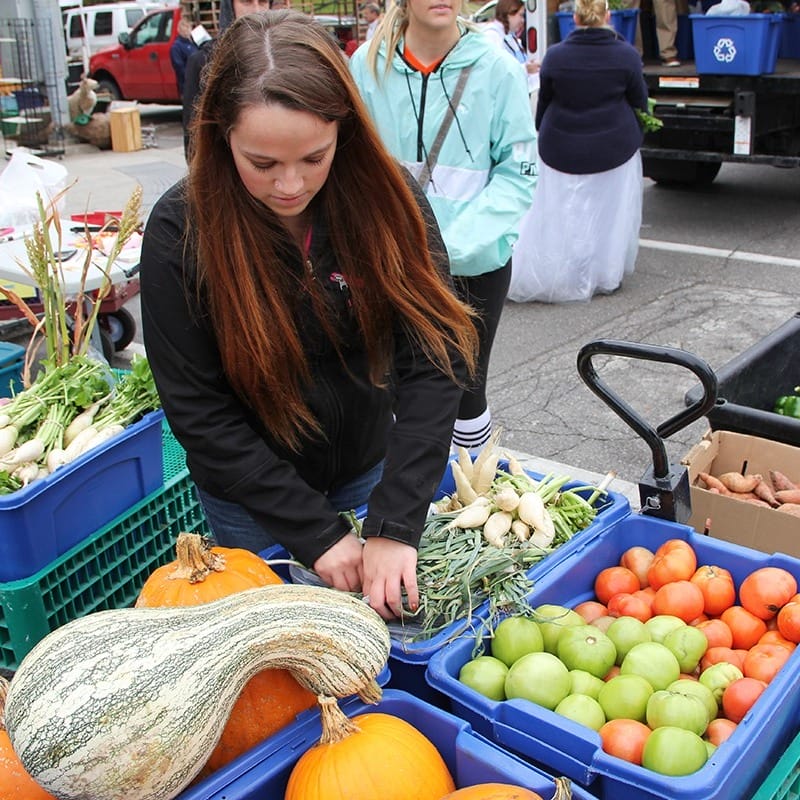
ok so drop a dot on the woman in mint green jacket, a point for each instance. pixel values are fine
(454, 110)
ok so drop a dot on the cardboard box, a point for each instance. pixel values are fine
(734, 520)
(126, 130)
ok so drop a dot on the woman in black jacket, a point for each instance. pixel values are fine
(307, 362)
(581, 235)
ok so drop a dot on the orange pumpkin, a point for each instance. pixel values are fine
(493, 791)
(272, 698)
(15, 783)
(368, 756)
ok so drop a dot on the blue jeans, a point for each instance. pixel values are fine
(233, 526)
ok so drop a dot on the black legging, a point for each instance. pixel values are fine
(486, 294)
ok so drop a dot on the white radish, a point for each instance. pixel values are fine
(75, 447)
(520, 530)
(466, 494)
(56, 458)
(542, 538)
(514, 467)
(31, 450)
(8, 438)
(472, 516)
(496, 528)
(4, 420)
(81, 422)
(483, 479)
(465, 462)
(102, 436)
(25, 473)
(506, 499)
(531, 510)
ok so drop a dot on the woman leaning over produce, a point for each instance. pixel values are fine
(307, 362)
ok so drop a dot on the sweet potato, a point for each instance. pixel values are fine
(789, 508)
(764, 491)
(737, 482)
(788, 496)
(780, 481)
(713, 483)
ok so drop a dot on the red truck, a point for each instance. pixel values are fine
(139, 67)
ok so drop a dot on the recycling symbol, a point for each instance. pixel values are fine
(725, 50)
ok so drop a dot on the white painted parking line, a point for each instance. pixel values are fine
(737, 255)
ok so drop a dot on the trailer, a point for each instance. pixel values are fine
(708, 119)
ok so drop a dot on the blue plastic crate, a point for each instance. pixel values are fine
(736, 768)
(409, 659)
(789, 46)
(263, 772)
(43, 520)
(12, 357)
(744, 45)
(623, 20)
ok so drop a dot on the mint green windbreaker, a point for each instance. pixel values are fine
(485, 175)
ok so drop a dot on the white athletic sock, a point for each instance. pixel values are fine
(473, 433)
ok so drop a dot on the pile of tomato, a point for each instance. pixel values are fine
(754, 627)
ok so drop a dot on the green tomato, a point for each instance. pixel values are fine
(540, 678)
(654, 662)
(625, 697)
(587, 648)
(552, 621)
(486, 675)
(515, 637)
(689, 686)
(718, 676)
(582, 709)
(688, 644)
(584, 682)
(665, 709)
(674, 751)
(660, 625)
(625, 632)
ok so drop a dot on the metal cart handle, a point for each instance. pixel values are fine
(647, 352)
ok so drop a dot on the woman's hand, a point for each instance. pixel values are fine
(388, 566)
(532, 67)
(340, 566)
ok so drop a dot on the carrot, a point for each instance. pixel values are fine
(737, 482)
(789, 508)
(713, 483)
(764, 491)
(788, 496)
(780, 481)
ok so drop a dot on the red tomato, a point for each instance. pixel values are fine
(764, 660)
(717, 633)
(716, 654)
(629, 605)
(717, 586)
(590, 610)
(739, 696)
(614, 580)
(719, 730)
(624, 738)
(789, 621)
(776, 637)
(745, 626)
(674, 560)
(638, 560)
(764, 591)
(680, 599)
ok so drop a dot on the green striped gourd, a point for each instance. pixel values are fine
(129, 704)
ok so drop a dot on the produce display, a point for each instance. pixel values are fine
(789, 405)
(129, 704)
(482, 539)
(272, 698)
(780, 492)
(664, 661)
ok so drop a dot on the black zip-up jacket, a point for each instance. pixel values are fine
(231, 454)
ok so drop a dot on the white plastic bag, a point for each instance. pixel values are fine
(24, 176)
(729, 8)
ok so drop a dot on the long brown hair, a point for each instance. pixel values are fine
(377, 232)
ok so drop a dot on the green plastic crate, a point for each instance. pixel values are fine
(106, 570)
(783, 783)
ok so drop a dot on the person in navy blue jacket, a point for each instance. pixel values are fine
(581, 234)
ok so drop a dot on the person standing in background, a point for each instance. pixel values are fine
(454, 109)
(228, 11)
(181, 50)
(581, 235)
(666, 14)
(372, 16)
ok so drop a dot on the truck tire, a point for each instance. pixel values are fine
(107, 86)
(672, 172)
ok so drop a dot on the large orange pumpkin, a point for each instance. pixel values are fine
(370, 756)
(493, 791)
(272, 698)
(15, 783)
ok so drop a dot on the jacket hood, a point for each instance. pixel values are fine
(225, 14)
